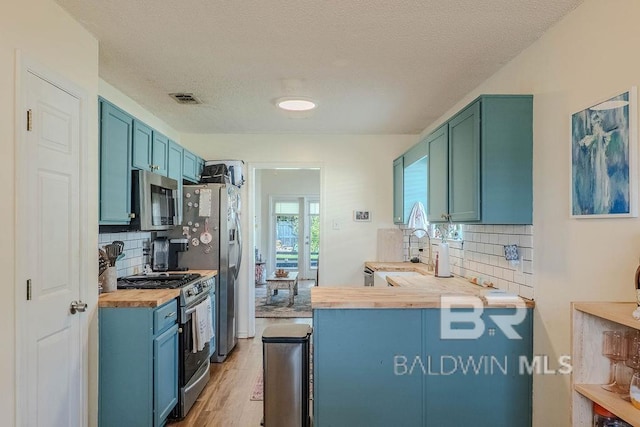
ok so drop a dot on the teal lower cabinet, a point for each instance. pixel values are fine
(138, 365)
(394, 367)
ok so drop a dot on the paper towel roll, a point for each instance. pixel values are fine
(444, 270)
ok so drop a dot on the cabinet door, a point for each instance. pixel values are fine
(165, 374)
(160, 153)
(464, 165)
(359, 365)
(142, 145)
(467, 376)
(438, 174)
(174, 171)
(189, 166)
(116, 128)
(199, 167)
(398, 190)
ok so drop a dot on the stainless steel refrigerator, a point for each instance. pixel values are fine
(211, 223)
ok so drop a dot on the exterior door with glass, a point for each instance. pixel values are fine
(296, 235)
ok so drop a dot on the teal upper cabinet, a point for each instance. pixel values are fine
(142, 146)
(398, 190)
(483, 163)
(116, 129)
(190, 166)
(160, 153)
(464, 165)
(415, 178)
(438, 174)
(150, 149)
(199, 167)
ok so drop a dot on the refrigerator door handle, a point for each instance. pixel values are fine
(239, 237)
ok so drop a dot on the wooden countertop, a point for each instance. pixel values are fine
(406, 292)
(145, 297)
(398, 266)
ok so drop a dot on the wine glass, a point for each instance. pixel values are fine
(633, 357)
(634, 390)
(615, 347)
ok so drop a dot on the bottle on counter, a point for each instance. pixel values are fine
(604, 418)
(436, 268)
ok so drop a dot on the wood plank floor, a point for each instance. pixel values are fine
(225, 399)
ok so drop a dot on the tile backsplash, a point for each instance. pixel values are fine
(134, 260)
(480, 253)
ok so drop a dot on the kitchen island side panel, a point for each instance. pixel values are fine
(355, 383)
(478, 381)
(381, 367)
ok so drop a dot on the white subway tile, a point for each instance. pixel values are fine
(526, 292)
(502, 284)
(528, 229)
(498, 250)
(527, 266)
(514, 288)
(503, 239)
(518, 278)
(484, 238)
(528, 280)
(493, 238)
(526, 241)
(508, 275)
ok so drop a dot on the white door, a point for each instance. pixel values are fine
(49, 255)
(296, 235)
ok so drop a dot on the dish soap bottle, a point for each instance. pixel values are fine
(436, 268)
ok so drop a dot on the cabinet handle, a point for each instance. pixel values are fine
(131, 215)
(173, 313)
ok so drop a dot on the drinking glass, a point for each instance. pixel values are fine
(615, 347)
(633, 358)
(634, 390)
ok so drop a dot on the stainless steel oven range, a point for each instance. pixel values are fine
(193, 367)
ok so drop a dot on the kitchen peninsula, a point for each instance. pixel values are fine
(397, 356)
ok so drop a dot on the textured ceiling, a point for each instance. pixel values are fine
(373, 66)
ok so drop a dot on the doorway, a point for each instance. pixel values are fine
(295, 235)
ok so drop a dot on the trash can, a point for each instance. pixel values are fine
(285, 361)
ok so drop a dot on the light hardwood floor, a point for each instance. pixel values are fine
(225, 400)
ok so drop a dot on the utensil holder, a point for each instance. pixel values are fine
(109, 280)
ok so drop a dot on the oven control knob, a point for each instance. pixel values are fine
(189, 292)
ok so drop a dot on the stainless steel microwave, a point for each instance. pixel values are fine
(155, 201)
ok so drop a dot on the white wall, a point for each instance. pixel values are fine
(356, 173)
(46, 34)
(588, 56)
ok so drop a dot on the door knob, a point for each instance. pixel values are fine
(78, 306)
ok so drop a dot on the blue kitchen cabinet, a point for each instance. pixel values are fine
(190, 166)
(354, 382)
(398, 190)
(487, 174)
(138, 365)
(174, 170)
(160, 154)
(477, 381)
(116, 130)
(382, 367)
(438, 174)
(142, 146)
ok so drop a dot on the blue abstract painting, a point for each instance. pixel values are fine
(600, 153)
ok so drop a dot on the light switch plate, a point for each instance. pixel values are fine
(335, 224)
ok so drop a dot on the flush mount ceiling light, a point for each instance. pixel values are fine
(295, 104)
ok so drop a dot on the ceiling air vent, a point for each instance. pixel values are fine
(185, 98)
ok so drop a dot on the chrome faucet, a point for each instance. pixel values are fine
(430, 265)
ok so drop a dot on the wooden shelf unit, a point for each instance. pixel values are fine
(590, 367)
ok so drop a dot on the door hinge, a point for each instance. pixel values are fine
(28, 289)
(29, 120)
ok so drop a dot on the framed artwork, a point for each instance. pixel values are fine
(361, 216)
(604, 139)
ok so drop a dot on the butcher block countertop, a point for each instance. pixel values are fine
(398, 266)
(145, 297)
(406, 292)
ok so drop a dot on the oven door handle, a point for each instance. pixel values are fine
(195, 305)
